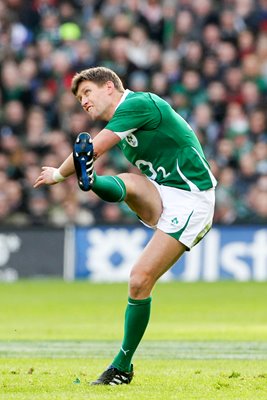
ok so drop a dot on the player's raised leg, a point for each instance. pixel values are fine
(109, 188)
(137, 190)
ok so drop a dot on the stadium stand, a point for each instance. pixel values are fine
(207, 58)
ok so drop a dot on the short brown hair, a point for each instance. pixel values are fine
(98, 75)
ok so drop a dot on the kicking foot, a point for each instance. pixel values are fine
(83, 156)
(113, 376)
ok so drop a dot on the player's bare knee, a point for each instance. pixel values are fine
(129, 180)
(140, 285)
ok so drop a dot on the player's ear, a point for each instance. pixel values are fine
(110, 87)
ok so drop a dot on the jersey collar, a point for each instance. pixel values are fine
(125, 94)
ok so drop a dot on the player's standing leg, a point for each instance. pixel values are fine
(158, 256)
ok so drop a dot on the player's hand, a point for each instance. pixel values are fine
(46, 177)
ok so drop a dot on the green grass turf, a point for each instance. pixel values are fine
(205, 341)
(169, 379)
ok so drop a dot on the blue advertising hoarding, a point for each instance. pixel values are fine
(107, 253)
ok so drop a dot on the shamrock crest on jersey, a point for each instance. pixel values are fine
(131, 140)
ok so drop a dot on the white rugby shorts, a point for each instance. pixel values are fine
(186, 216)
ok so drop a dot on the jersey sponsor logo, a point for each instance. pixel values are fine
(131, 140)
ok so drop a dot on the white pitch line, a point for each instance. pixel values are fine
(194, 350)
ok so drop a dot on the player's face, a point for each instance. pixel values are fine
(94, 99)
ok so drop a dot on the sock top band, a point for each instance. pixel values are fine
(137, 302)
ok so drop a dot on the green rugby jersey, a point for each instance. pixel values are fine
(160, 142)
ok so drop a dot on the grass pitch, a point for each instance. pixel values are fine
(205, 341)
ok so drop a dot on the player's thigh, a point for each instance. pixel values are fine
(142, 197)
(158, 256)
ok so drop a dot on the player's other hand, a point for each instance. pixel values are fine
(45, 177)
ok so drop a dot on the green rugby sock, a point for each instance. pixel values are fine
(136, 320)
(109, 188)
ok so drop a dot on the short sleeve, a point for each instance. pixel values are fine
(138, 112)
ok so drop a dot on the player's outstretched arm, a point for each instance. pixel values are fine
(50, 175)
(103, 141)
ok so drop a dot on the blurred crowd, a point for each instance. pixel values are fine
(207, 58)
